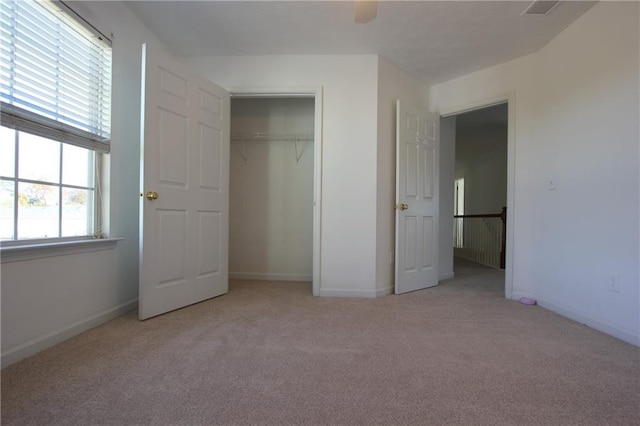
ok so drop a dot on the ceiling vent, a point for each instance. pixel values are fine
(540, 7)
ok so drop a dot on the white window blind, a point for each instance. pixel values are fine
(55, 77)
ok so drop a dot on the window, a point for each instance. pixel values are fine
(55, 89)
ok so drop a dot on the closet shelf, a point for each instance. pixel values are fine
(241, 139)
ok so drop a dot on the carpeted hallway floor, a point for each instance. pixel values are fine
(270, 353)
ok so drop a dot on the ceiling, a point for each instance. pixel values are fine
(433, 41)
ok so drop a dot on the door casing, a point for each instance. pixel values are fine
(510, 99)
(316, 94)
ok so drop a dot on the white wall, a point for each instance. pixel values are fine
(576, 123)
(393, 84)
(481, 159)
(46, 300)
(271, 195)
(348, 228)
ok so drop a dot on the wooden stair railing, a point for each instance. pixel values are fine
(503, 216)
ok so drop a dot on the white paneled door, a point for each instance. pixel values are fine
(417, 183)
(184, 187)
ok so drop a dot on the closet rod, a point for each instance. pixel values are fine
(274, 137)
(240, 139)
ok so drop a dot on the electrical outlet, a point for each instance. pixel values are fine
(613, 283)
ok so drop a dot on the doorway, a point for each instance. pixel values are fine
(274, 205)
(482, 166)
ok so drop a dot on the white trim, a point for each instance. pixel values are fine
(317, 192)
(41, 343)
(472, 106)
(355, 293)
(23, 252)
(257, 276)
(510, 99)
(446, 276)
(315, 92)
(385, 291)
(274, 92)
(612, 330)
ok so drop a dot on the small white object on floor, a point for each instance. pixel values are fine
(527, 301)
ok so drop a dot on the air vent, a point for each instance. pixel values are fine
(540, 7)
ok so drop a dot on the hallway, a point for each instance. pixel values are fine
(474, 278)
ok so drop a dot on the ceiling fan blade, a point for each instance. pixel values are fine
(365, 11)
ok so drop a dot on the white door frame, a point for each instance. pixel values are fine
(302, 92)
(510, 99)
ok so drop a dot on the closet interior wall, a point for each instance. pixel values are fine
(271, 189)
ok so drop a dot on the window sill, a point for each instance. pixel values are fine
(19, 253)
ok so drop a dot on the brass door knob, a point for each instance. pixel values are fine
(151, 195)
(404, 206)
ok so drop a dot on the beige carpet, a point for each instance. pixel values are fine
(270, 353)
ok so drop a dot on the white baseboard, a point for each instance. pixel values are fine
(355, 293)
(446, 276)
(41, 343)
(258, 276)
(609, 329)
(385, 291)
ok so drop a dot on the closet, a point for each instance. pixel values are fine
(271, 189)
